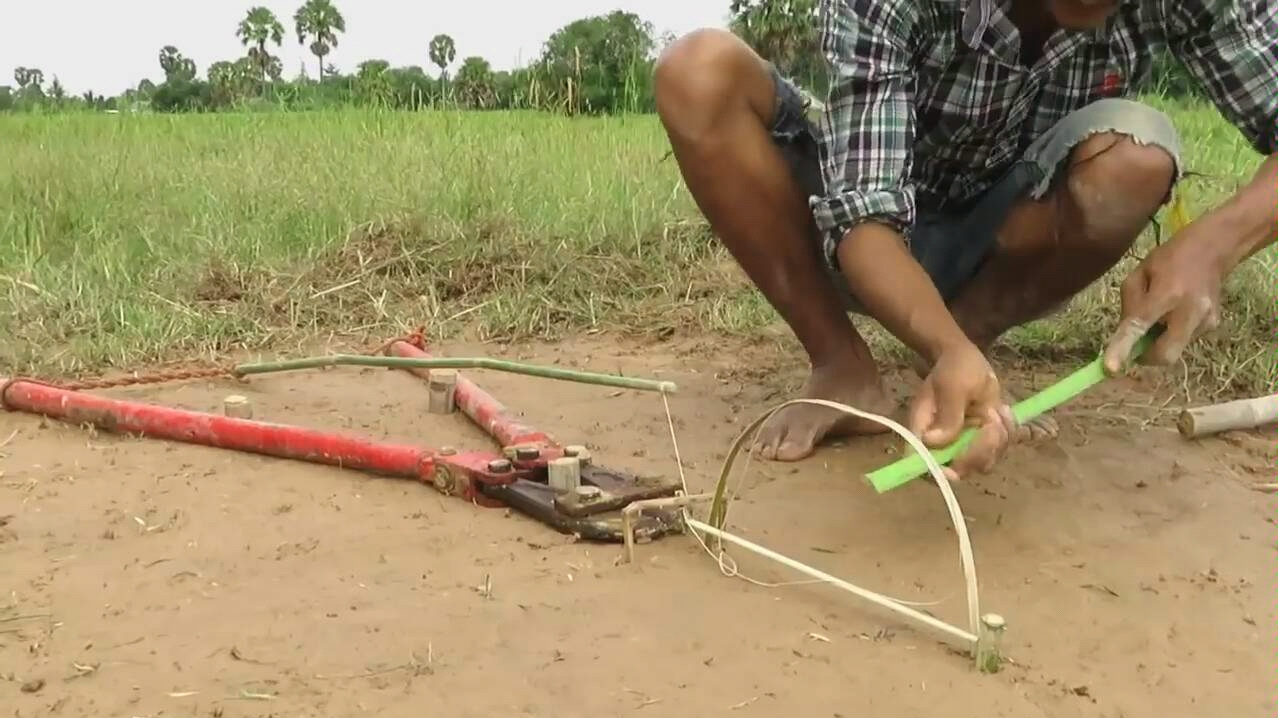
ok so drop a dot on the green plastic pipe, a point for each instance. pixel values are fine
(905, 470)
(513, 367)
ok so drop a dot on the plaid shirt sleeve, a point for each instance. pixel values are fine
(867, 129)
(1232, 49)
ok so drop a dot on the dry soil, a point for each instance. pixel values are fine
(142, 578)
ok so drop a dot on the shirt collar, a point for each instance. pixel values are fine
(986, 25)
(978, 15)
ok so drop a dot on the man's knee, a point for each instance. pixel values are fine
(705, 74)
(1118, 179)
(1122, 173)
(1113, 158)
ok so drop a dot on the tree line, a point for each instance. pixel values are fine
(594, 65)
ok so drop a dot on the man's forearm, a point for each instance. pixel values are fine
(896, 291)
(1248, 221)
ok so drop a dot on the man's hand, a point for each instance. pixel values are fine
(1178, 286)
(962, 391)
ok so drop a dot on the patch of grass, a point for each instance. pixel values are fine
(127, 239)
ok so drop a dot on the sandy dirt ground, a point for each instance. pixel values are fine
(142, 578)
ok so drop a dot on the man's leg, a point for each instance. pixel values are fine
(727, 119)
(1103, 175)
(1088, 188)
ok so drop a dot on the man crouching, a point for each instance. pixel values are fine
(974, 168)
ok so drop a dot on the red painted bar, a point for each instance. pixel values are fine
(488, 414)
(194, 427)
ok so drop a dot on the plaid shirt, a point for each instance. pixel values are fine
(930, 103)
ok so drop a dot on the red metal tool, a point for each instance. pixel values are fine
(515, 477)
(530, 451)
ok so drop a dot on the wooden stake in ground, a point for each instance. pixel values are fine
(237, 407)
(989, 643)
(442, 386)
(1230, 416)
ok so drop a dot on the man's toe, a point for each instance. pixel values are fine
(1043, 427)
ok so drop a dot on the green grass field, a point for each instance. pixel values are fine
(128, 239)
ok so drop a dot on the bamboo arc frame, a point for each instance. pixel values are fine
(983, 634)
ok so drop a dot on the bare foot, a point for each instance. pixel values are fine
(1043, 427)
(794, 432)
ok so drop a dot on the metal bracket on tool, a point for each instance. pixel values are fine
(519, 477)
(590, 510)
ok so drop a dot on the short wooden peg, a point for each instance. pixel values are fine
(564, 474)
(237, 407)
(443, 391)
(989, 643)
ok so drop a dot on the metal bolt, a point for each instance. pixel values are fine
(586, 494)
(443, 480)
(499, 466)
(578, 452)
(527, 453)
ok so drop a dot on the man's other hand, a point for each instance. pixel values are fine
(1178, 286)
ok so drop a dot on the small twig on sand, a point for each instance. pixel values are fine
(366, 674)
(485, 590)
(239, 656)
(82, 671)
(23, 617)
(644, 699)
(416, 666)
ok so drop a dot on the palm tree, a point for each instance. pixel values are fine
(320, 22)
(442, 53)
(57, 92)
(28, 76)
(175, 66)
(259, 27)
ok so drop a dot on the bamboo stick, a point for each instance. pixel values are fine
(513, 367)
(1229, 416)
(967, 639)
(911, 467)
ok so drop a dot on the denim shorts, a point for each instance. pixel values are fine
(952, 246)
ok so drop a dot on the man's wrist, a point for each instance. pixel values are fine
(944, 338)
(1242, 226)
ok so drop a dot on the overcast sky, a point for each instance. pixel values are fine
(110, 46)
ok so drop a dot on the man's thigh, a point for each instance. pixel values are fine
(952, 246)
